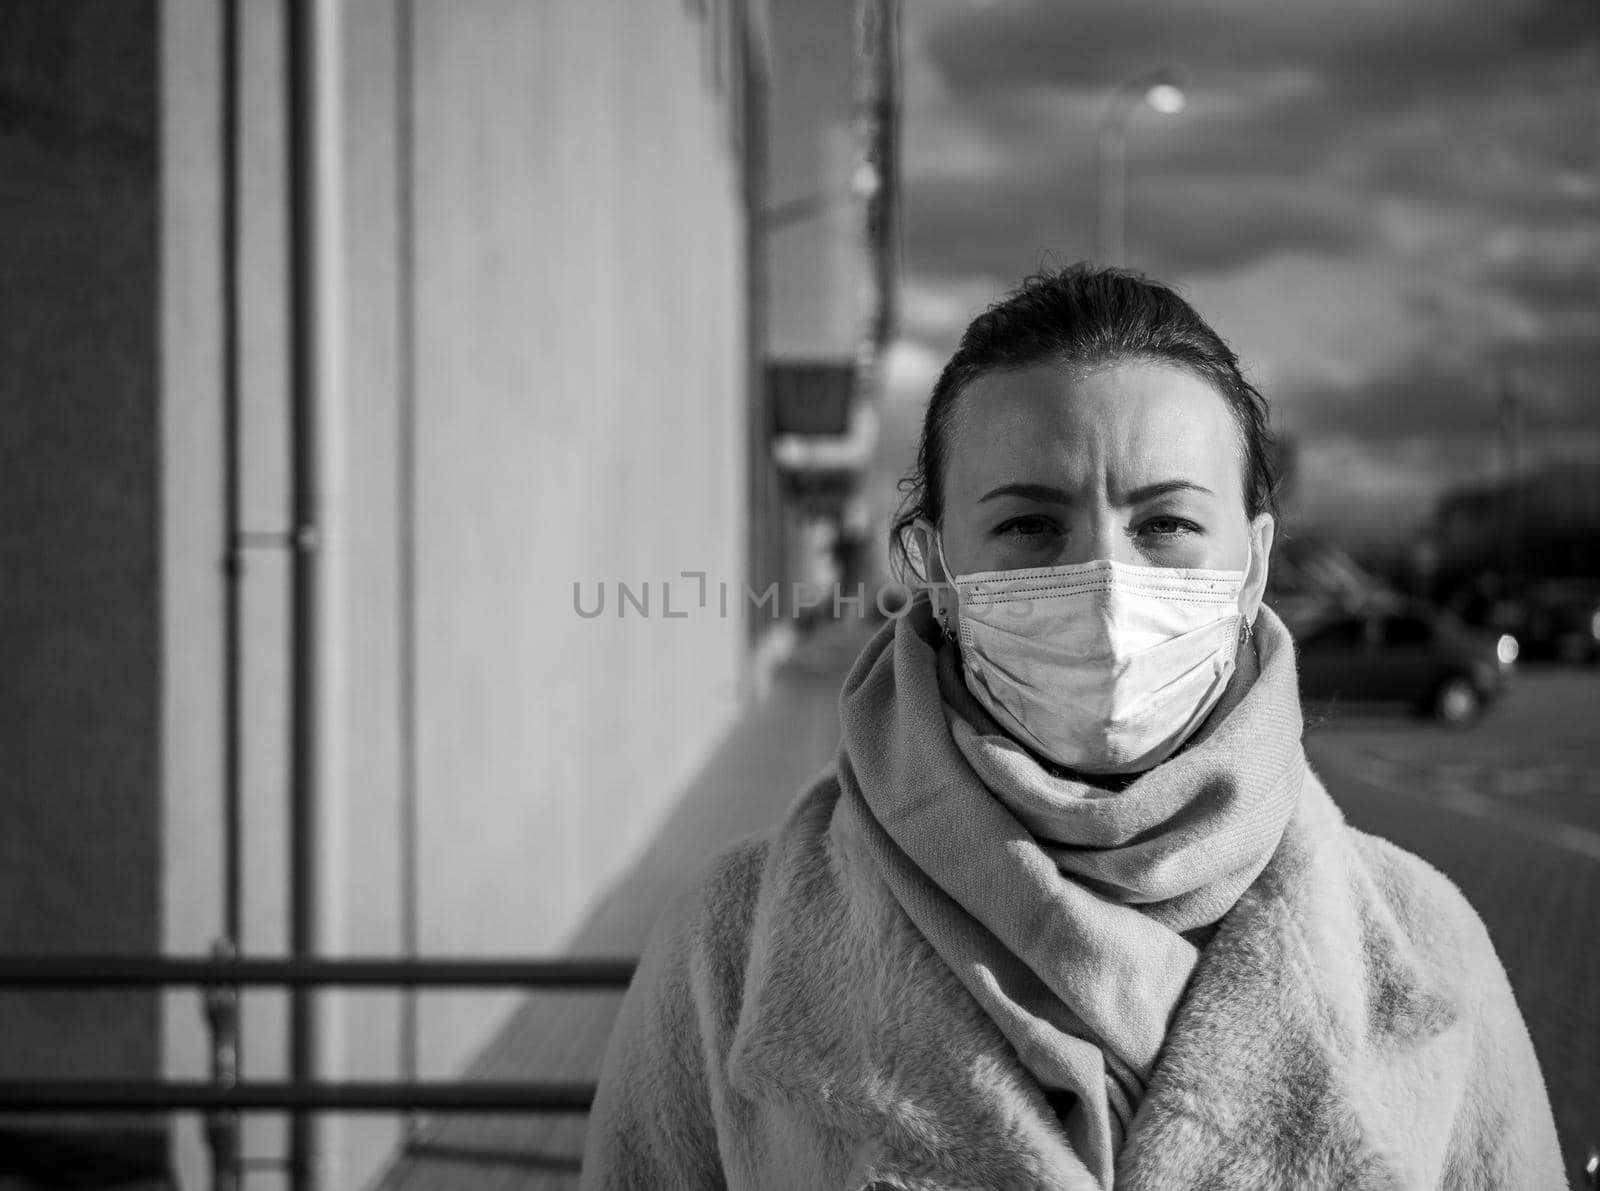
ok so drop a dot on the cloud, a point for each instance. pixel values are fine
(1215, 223)
(1375, 48)
(1302, 121)
(1304, 322)
(1426, 401)
(1551, 276)
(1010, 222)
(1389, 209)
(1386, 492)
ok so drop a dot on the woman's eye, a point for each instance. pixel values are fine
(1167, 527)
(1027, 527)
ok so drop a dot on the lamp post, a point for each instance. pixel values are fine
(1162, 91)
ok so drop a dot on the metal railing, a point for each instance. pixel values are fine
(225, 1095)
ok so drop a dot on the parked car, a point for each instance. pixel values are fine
(1417, 656)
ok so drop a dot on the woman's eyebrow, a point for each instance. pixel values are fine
(1031, 491)
(1163, 488)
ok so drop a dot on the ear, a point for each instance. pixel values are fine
(1255, 576)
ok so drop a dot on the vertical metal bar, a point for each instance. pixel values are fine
(300, 68)
(764, 541)
(880, 112)
(406, 515)
(233, 560)
(222, 1128)
(876, 117)
(890, 243)
(221, 1007)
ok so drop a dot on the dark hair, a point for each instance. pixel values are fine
(1085, 316)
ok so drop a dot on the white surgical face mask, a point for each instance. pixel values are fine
(1101, 667)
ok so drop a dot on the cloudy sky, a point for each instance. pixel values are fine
(1388, 206)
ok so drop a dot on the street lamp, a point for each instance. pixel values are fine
(1161, 91)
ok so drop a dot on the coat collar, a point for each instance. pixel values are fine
(1304, 1054)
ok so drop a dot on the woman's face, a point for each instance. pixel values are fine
(1135, 462)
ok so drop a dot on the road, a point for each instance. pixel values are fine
(1510, 810)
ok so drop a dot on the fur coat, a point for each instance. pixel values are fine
(1348, 1027)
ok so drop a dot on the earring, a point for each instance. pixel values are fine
(944, 623)
(1246, 631)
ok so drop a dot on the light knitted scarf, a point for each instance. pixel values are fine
(1062, 906)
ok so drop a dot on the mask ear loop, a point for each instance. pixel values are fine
(1247, 628)
(944, 613)
(944, 616)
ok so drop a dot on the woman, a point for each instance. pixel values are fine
(1070, 910)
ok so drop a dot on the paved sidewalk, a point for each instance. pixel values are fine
(752, 776)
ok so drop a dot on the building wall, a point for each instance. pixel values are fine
(80, 675)
(571, 321)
